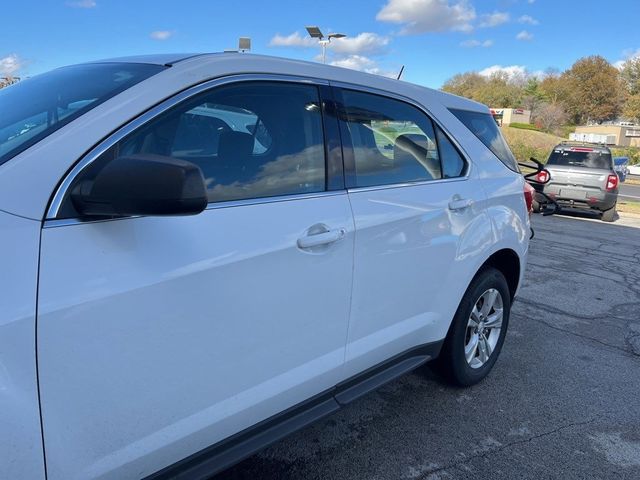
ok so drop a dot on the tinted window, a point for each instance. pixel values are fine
(453, 165)
(581, 159)
(483, 126)
(393, 142)
(34, 108)
(251, 140)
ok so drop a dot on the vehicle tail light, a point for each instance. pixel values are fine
(612, 182)
(543, 176)
(528, 196)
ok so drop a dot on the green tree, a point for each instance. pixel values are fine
(630, 74)
(594, 90)
(532, 95)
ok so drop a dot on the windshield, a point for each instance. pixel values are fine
(581, 159)
(34, 108)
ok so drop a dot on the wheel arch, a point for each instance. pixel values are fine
(507, 262)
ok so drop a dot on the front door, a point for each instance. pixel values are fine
(159, 336)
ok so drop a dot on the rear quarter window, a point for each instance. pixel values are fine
(484, 127)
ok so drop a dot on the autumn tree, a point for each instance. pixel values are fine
(498, 91)
(594, 90)
(465, 84)
(632, 108)
(553, 87)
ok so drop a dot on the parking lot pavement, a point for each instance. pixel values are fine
(629, 192)
(562, 402)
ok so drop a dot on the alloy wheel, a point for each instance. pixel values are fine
(483, 328)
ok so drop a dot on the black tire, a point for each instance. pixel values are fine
(609, 215)
(451, 363)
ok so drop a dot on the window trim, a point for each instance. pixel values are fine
(120, 133)
(63, 222)
(347, 145)
(455, 147)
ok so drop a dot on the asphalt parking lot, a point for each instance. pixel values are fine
(630, 191)
(562, 402)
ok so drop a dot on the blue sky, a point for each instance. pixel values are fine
(434, 39)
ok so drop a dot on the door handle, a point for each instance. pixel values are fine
(323, 238)
(460, 203)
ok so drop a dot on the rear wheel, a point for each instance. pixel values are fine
(478, 329)
(609, 215)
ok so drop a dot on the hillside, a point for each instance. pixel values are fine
(529, 143)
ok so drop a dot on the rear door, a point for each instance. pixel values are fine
(412, 202)
(160, 336)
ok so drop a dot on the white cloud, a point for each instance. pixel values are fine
(293, 40)
(494, 19)
(528, 19)
(365, 42)
(510, 71)
(421, 16)
(524, 36)
(82, 4)
(628, 54)
(362, 63)
(477, 43)
(10, 64)
(161, 34)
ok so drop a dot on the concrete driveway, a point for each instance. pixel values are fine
(562, 402)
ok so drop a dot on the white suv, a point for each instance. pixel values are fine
(203, 253)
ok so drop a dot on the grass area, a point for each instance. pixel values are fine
(628, 206)
(524, 126)
(529, 143)
(631, 181)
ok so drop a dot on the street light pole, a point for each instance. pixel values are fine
(323, 44)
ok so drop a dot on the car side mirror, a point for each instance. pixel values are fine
(143, 184)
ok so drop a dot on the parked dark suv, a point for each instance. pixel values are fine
(581, 176)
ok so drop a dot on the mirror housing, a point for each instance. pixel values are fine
(142, 185)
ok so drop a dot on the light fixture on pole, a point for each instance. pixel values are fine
(314, 32)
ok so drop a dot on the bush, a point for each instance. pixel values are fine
(632, 152)
(565, 130)
(524, 126)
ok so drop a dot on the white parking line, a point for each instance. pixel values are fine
(628, 196)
